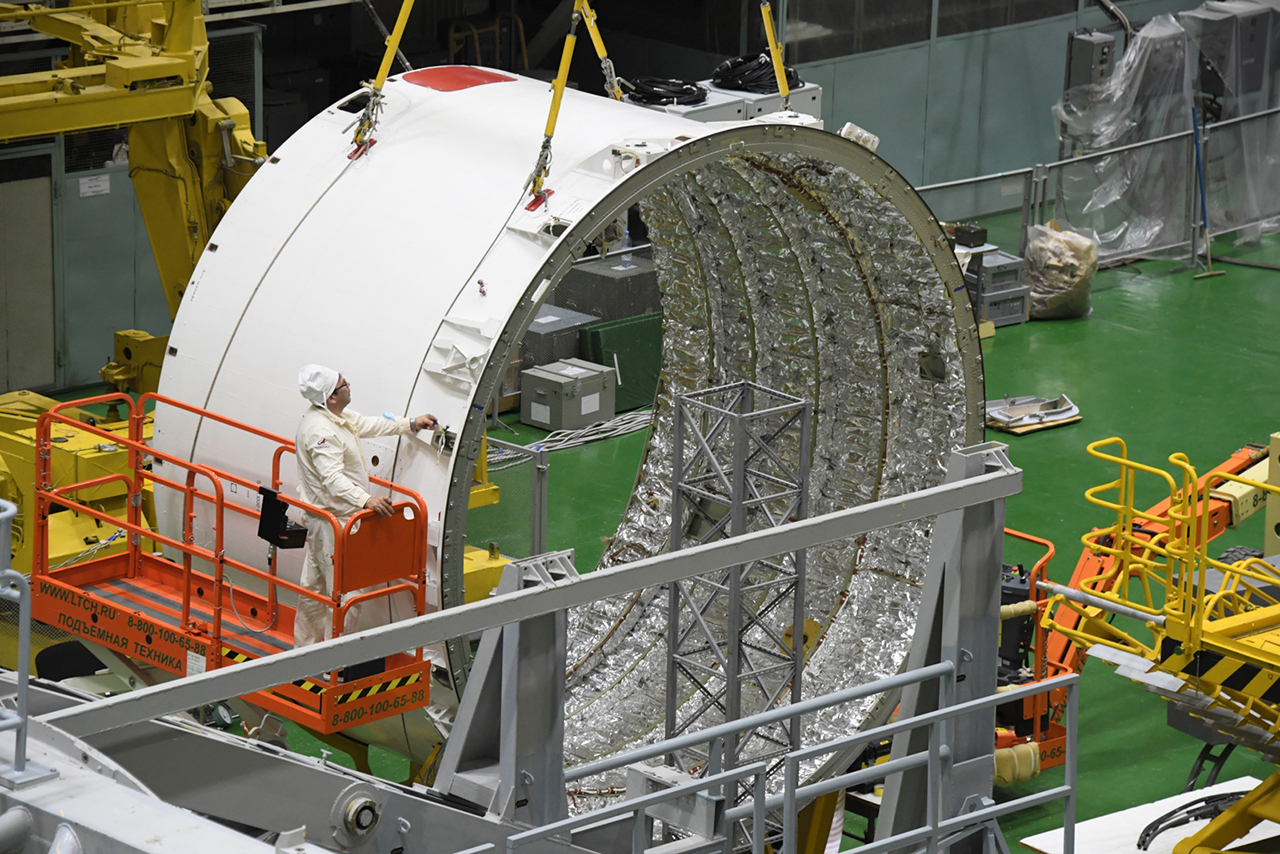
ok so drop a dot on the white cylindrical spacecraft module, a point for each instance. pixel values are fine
(785, 255)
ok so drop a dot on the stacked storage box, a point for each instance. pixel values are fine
(566, 395)
(633, 346)
(610, 288)
(997, 290)
(552, 336)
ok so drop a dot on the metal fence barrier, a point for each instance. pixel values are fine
(984, 196)
(518, 522)
(938, 831)
(1141, 198)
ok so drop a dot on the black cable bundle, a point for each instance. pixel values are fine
(1210, 807)
(753, 73)
(660, 90)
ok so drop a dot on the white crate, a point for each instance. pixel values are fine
(806, 98)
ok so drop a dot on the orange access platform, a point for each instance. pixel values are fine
(186, 615)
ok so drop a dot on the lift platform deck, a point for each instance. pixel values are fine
(187, 616)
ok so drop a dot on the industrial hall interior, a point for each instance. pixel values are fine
(672, 427)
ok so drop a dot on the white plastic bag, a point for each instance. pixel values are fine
(1060, 270)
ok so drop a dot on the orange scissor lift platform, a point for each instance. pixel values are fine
(186, 616)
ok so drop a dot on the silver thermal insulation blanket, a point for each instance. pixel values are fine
(795, 274)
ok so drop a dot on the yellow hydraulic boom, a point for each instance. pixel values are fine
(143, 65)
(1210, 636)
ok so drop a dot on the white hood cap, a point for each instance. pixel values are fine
(316, 382)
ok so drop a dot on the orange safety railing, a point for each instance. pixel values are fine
(355, 544)
(1036, 707)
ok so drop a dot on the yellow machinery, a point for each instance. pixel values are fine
(143, 65)
(1211, 630)
(76, 456)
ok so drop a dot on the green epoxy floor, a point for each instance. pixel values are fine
(1169, 364)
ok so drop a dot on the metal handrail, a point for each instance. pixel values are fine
(1120, 149)
(14, 587)
(933, 757)
(1038, 175)
(139, 449)
(1000, 480)
(638, 807)
(539, 458)
(815, 704)
(937, 753)
(977, 179)
(1240, 119)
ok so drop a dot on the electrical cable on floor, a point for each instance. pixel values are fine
(1241, 262)
(661, 91)
(559, 440)
(1208, 807)
(92, 550)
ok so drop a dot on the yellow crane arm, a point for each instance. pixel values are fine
(114, 76)
(144, 65)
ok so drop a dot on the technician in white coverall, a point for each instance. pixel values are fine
(332, 475)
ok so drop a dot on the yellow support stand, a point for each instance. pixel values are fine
(775, 53)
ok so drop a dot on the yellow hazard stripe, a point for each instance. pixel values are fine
(390, 685)
(1216, 669)
(315, 688)
(304, 684)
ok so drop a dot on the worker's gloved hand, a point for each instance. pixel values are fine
(379, 504)
(423, 422)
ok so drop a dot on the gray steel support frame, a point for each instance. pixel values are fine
(506, 752)
(539, 459)
(15, 588)
(959, 623)
(465, 620)
(312, 793)
(741, 463)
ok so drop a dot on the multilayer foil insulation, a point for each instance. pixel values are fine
(794, 273)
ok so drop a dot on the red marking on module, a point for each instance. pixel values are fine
(539, 199)
(453, 78)
(361, 149)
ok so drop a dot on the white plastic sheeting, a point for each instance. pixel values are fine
(1224, 59)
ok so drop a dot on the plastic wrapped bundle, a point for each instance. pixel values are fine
(1134, 200)
(1060, 269)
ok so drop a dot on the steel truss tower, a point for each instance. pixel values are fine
(740, 464)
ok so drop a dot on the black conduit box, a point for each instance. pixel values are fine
(274, 526)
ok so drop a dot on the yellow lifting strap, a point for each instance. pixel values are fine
(612, 83)
(583, 12)
(775, 53)
(369, 118)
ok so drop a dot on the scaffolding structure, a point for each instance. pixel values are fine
(740, 464)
